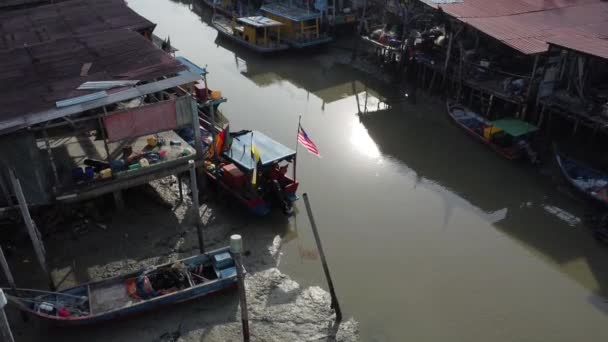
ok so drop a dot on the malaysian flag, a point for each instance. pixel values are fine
(306, 142)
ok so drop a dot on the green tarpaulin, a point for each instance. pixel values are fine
(514, 127)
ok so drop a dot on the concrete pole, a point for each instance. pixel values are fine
(236, 248)
(196, 206)
(334, 299)
(5, 329)
(7, 271)
(31, 227)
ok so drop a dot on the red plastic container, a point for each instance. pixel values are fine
(233, 177)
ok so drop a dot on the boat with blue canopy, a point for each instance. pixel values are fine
(253, 167)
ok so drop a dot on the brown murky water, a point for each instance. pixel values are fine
(430, 236)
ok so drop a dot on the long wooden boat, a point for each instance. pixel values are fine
(507, 137)
(592, 183)
(132, 293)
(243, 31)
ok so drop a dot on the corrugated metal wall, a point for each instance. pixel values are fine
(20, 152)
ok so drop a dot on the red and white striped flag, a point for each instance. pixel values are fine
(306, 142)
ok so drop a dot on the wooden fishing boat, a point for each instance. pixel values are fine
(303, 24)
(233, 168)
(132, 293)
(510, 138)
(592, 183)
(257, 33)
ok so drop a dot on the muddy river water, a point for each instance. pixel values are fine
(429, 235)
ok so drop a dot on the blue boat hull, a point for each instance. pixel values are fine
(582, 178)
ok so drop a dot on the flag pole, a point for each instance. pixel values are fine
(295, 160)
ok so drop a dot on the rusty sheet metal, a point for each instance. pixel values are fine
(527, 25)
(34, 78)
(138, 122)
(577, 41)
(185, 106)
(64, 19)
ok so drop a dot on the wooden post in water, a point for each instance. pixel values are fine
(195, 205)
(334, 299)
(31, 227)
(180, 187)
(5, 329)
(7, 271)
(236, 248)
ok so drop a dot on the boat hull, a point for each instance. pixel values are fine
(309, 44)
(257, 48)
(507, 153)
(569, 166)
(146, 305)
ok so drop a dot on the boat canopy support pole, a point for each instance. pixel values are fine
(236, 248)
(31, 227)
(334, 299)
(196, 206)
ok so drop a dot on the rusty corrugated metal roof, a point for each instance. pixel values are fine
(74, 17)
(34, 78)
(579, 41)
(527, 25)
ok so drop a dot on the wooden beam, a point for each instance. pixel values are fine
(196, 206)
(31, 227)
(49, 151)
(7, 271)
(198, 147)
(5, 192)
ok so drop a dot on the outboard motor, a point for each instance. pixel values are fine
(278, 192)
(530, 153)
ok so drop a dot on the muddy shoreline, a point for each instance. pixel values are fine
(155, 228)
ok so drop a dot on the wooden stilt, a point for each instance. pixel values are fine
(31, 227)
(356, 97)
(542, 116)
(181, 190)
(7, 195)
(236, 249)
(488, 112)
(118, 200)
(196, 206)
(104, 135)
(334, 299)
(7, 271)
(49, 151)
(5, 329)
